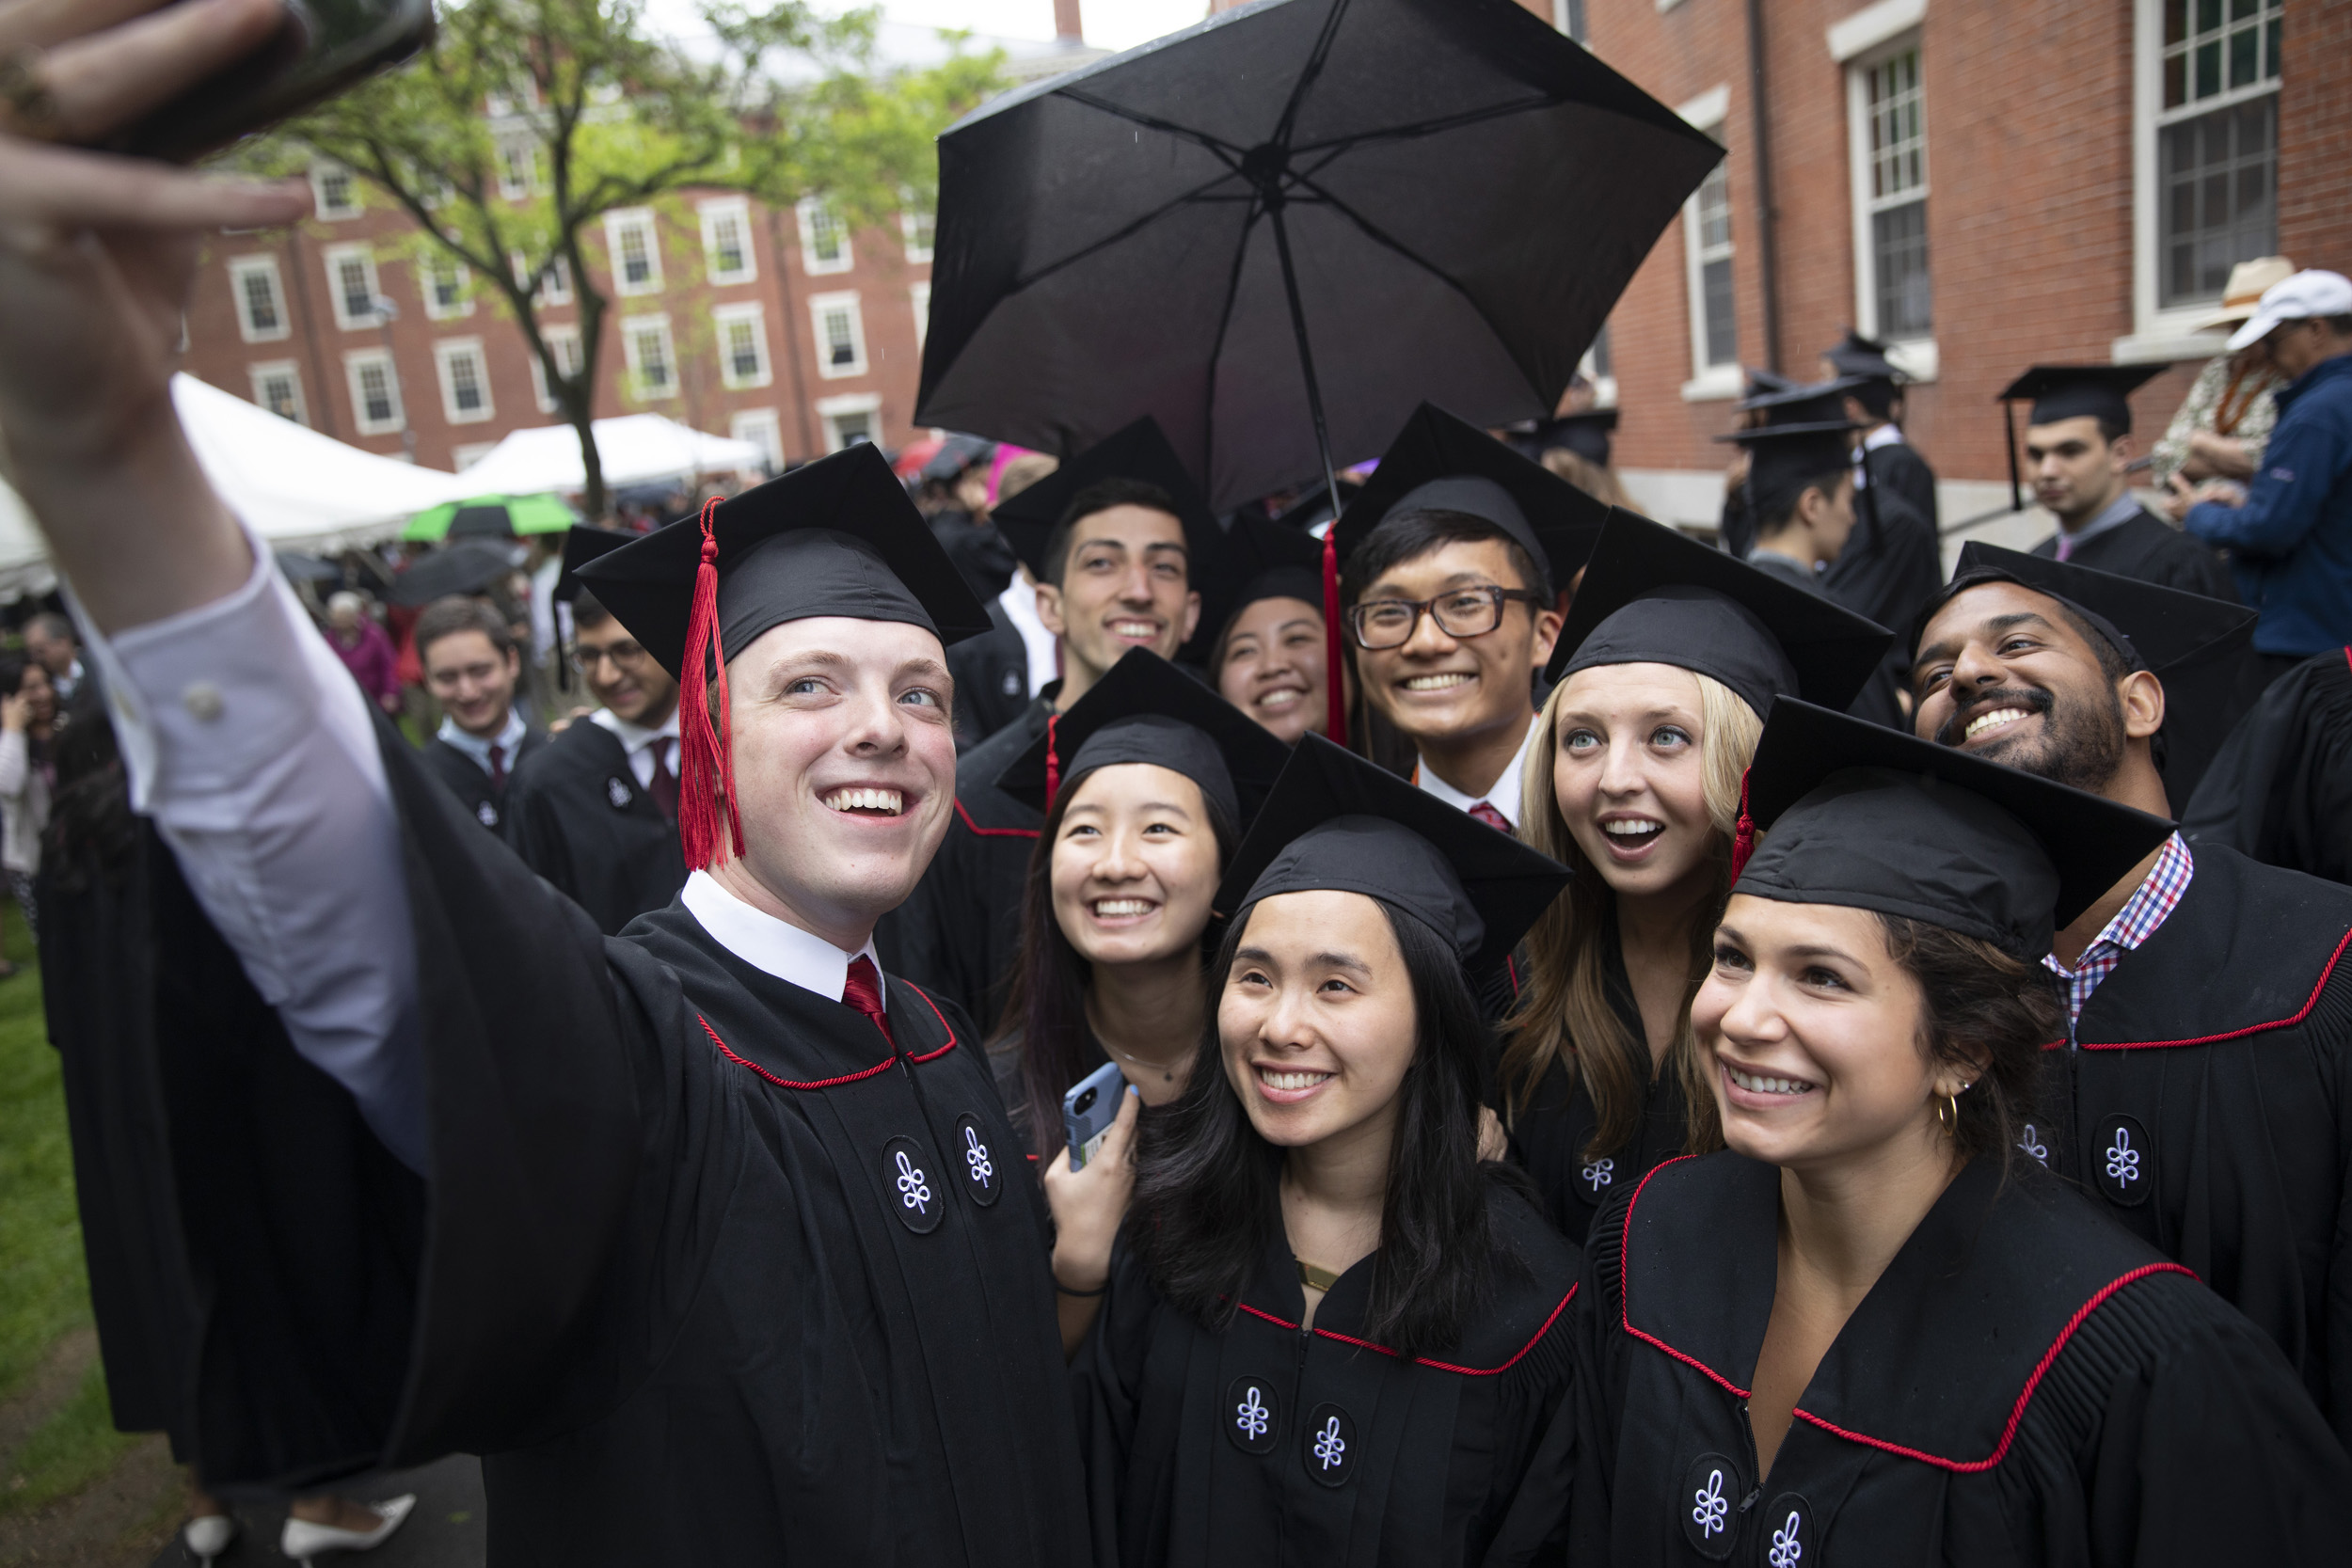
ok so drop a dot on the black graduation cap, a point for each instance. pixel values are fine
(1313, 508)
(580, 545)
(1139, 451)
(1654, 595)
(1864, 357)
(2066, 392)
(835, 537)
(1148, 710)
(1814, 404)
(1784, 457)
(1272, 561)
(1336, 820)
(1760, 384)
(1586, 434)
(1858, 814)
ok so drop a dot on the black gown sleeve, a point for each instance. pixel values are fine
(1106, 1389)
(536, 831)
(2280, 789)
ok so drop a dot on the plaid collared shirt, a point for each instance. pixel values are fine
(2133, 924)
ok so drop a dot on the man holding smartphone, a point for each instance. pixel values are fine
(701, 1237)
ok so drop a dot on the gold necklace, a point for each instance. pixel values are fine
(1315, 1278)
(1168, 1074)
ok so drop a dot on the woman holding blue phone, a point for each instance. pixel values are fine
(1146, 783)
(1330, 1332)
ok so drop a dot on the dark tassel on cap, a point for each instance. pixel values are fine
(1335, 683)
(705, 755)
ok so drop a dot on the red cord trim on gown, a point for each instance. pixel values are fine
(1422, 1360)
(883, 1066)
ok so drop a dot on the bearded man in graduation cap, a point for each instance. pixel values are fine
(2204, 1091)
(711, 1238)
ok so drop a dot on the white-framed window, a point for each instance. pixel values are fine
(465, 380)
(743, 333)
(727, 241)
(1887, 137)
(840, 334)
(635, 247)
(2205, 123)
(1567, 16)
(467, 454)
(850, 418)
(375, 383)
(1707, 258)
(522, 168)
(555, 283)
(442, 277)
(563, 343)
(351, 283)
(1599, 367)
(334, 191)
(824, 238)
(919, 296)
(652, 360)
(918, 225)
(260, 299)
(760, 427)
(278, 387)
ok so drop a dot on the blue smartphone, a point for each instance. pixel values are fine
(1090, 1108)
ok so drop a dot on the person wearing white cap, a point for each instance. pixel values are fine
(2220, 427)
(2290, 533)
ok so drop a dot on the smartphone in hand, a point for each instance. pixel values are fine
(1089, 1109)
(323, 47)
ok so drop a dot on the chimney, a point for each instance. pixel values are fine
(1068, 27)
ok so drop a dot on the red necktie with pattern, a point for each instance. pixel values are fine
(1485, 813)
(664, 785)
(498, 766)
(863, 990)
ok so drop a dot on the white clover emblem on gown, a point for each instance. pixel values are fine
(1330, 1448)
(1787, 1549)
(1713, 1504)
(1252, 1414)
(975, 1156)
(2122, 1158)
(912, 1189)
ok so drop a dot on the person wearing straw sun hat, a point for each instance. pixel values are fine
(2220, 430)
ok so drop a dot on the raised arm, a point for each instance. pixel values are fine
(243, 736)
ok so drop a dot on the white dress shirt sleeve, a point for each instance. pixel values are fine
(252, 749)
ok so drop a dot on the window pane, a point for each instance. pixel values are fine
(2175, 21)
(2218, 206)
(1723, 335)
(359, 294)
(261, 302)
(1900, 263)
(2270, 55)
(2208, 70)
(2208, 15)
(2175, 82)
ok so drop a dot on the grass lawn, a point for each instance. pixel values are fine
(44, 1291)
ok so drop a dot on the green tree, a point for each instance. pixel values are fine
(527, 121)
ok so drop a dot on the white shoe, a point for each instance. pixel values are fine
(302, 1540)
(208, 1536)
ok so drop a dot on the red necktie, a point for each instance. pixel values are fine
(863, 990)
(498, 766)
(664, 785)
(1485, 813)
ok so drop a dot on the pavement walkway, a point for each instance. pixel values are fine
(450, 1528)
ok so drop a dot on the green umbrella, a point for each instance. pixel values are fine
(491, 517)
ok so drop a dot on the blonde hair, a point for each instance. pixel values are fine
(1599, 482)
(1563, 1013)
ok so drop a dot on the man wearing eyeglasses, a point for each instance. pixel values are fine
(1452, 614)
(594, 811)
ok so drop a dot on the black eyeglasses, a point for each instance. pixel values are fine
(624, 654)
(1379, 623)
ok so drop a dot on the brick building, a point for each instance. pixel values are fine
(1987, 186)
(777, 326)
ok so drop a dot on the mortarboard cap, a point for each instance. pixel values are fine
(1760, 384)
(1272, 561)
(1585, 433)
(1818, 404)
(2070, 391)
(582, 546)
(1653, 596)
(1863, 357)
(1337, 821)
(1140, 453)
(1314, 509)
(1146, 711)
(1783, 458)
(835, 537)
(1861, 815)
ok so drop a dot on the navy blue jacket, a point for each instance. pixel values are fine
(2293, 538)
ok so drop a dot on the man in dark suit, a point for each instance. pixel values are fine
(2077, 457)
(471, 666)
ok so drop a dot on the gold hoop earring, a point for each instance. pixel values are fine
(1950, 1123)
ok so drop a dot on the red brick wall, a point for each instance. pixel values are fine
(2315, 135)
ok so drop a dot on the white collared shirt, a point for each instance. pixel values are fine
(1019, 603)
(1884, 436)
(1503, 797)
(773, 947)
(478, 749)
(639, 741)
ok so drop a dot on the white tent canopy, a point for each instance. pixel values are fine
(635, 448)
(295, 488)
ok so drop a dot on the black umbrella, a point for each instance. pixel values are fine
(1304, 216)
(299, 567)
(468, 567)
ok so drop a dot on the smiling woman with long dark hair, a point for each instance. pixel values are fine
(1867, 1329)
(1332, 1333)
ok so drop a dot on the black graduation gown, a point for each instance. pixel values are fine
(470, 781)
(2207, 1105)
(1550, 1134)
(960, 933)
(991, 673)
(1892, 564)
(1735, 530)
(2281, 788)
(983, 556)
(1267, 1444)
(706, 1270)
(1876, 700)
(1899, 468)
(578, 818)
(2025, 1384)
(2146, 547)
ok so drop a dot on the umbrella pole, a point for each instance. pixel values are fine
(1306, 354)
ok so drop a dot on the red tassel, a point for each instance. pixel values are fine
(1743, 837)
(705, 755)
(1334, 680)
(1053, 761)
